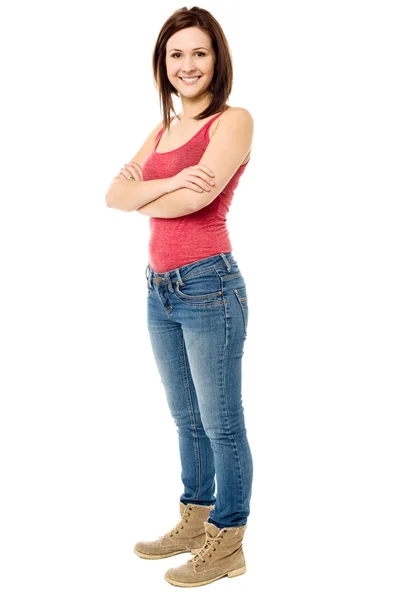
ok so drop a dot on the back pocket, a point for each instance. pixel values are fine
(241, 295)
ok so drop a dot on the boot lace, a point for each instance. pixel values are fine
(180, 525)
(209, 546)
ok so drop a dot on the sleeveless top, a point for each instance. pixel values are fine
(182, 240)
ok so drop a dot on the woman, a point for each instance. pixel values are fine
(183, 178)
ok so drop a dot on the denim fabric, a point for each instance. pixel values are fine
(197, 318)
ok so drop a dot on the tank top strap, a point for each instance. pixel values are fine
(159, 134)
(203, 130)
(212, 120)
(161, 131)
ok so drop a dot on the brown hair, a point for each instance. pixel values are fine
(221, 84)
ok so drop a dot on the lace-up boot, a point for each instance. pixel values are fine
(222, 554)
(187, 536)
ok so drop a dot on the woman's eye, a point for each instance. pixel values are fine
(178, 53)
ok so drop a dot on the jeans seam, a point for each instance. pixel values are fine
(232, 435)
(192, 418)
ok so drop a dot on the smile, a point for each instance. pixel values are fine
(190, 80)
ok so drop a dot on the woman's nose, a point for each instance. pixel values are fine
(188, 64)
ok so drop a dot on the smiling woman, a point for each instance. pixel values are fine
(184, 177)
(192, 67)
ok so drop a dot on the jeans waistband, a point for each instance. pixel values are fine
(224, 259)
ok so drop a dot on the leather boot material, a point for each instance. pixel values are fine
(222, 554)
(187, 536)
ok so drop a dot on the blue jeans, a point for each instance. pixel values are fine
(197, 319)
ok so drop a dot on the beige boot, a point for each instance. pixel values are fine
(222, 554)
(187, 536)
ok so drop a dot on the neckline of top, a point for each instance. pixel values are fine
(185, 144)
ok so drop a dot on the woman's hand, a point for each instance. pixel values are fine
(196, 178)
(131, 170)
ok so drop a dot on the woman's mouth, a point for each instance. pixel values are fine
(190, 80)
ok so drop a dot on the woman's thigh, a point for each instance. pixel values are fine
(170, 354)
(212, 309)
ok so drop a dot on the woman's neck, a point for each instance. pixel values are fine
(191, 109)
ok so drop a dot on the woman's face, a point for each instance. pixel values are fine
(189, 54)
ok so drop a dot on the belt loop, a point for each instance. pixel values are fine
(168, 278)
(148, 277)
(179, 277)
(228, 266)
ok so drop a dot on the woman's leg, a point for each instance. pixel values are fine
(197, 457)
(209, 301)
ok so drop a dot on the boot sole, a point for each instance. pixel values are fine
(234, 573)
(167, 555)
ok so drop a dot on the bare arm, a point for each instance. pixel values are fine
(129, 195)
(169, 206)
(150, 198)
(132, 195)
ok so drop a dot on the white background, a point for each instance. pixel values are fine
(89, 452)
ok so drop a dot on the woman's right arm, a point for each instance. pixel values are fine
(129, 195)
(134, 194)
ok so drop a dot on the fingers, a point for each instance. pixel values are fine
(136, 165)
(202, 173)
(132, 171)
(206, 170)
(196, 188)
(205, 173)
(137, 170)
(198, 183)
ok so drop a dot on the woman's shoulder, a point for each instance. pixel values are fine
(238, 117)
(237, 112)
(232, 116)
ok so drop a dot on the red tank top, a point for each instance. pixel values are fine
(182, 240)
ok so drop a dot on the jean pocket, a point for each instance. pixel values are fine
(241, 295)
(201, 287)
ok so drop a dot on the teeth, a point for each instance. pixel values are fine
(189, 80)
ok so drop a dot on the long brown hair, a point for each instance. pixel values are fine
(221, 84)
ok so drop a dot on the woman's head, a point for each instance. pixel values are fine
(191, 42)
